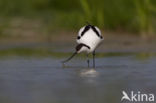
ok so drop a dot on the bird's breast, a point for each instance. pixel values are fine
(89, 36)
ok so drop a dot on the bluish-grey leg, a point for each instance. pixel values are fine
(88, 60)
(93, 59)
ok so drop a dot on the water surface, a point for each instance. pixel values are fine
(33, 79)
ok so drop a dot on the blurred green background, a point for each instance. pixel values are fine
(45, 17)
(36, 35)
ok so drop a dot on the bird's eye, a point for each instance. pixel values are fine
(78, 37)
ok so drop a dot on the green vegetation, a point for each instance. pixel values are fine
(137, 16)
(47, 52)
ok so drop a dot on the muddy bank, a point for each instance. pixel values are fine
(65, 42)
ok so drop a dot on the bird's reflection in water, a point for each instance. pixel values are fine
(91, 72)
(89, 75)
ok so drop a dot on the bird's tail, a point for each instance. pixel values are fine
(69, 57)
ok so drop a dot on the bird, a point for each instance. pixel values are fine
(88, 39)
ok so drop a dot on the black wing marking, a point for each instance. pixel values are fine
(78, 37)
(85, 30)
(94, 29)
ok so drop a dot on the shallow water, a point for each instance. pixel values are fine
(29, 79)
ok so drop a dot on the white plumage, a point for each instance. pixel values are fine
(89, 37)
